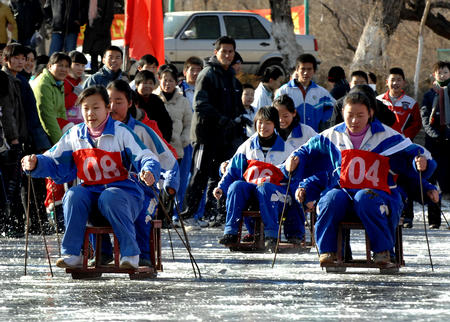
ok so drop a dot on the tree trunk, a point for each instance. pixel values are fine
(283, 33)
(372, 47)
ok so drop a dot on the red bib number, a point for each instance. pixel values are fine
(364, 169)
(258, 172)
(95, 166)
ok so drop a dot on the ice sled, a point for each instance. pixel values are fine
(96, 271)
(257, 245)
(343, 261)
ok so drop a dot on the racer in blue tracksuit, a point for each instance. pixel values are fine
(368, 193)
(104, 165)
(246, 177)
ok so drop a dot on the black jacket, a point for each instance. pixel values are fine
(156, 110)
(66, 15)
(217, 102)
(98, 36)
(29, 16)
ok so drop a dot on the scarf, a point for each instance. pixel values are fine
(97, 132)
(92, 13)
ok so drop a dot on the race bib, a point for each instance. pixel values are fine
(364, 169)
(258, 172)
(96, 166)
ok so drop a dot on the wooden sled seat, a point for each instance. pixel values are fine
(257, 245)
(342, 262)
(96, 271)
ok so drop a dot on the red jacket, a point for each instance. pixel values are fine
(69, 96)
(407, 114)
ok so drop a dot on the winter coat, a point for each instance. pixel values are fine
(263, 97)
(430, 120)
(6, 17)
(14, 118)
(38, 139)
(155, 109)
(217, 102)
(29, 16)
(180, 112)
(98, 36)
(103, 77)
(50, 103)
(56, 12)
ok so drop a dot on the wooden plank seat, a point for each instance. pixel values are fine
(96, 271)
(343, 261)
(257, 245)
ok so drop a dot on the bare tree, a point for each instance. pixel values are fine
(384, 20)
(283, 33)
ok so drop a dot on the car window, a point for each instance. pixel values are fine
(244, 27)
(203, 27)
(172, 24)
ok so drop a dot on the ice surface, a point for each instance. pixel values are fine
(235, 286)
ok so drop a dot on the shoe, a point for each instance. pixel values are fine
(248, 238)
(105, 259)
(434, 226)
(201, 223)
(228, 239)
(218, 221)
(327, 258)
(176, 223)
(69, 262)
(192, 224)
(383, 258)
(270, 243)
(129, 262)
(295, 240)
(145, 262)
(407, 223)
(185, 214)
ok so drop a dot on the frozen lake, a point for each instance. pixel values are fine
(235, 286)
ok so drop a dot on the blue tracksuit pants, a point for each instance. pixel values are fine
(270, 198)
(119, 207)
(378, 211)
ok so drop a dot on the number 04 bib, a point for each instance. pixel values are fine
(364, 169)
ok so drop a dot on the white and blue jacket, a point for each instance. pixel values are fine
(322, 154)
(251, 150)
(315, 108)
(299, 136)
(113, 161)
(170, 176)
(262, 97)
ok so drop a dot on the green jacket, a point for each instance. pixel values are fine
(50, 104)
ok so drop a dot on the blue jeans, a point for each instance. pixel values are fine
(61, 43)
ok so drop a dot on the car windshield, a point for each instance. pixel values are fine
(172, 24)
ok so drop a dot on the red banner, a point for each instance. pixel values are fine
(298, 17)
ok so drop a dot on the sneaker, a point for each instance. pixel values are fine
(382, 258)
(192, 224)
(202, 223)
(248, 238)
(71, 261)
(434, 226)
(176, 223)
(145, 262)
(105, 259)
(327, 258)
(270, 243)
(129, 262)
(228, 239)
(407, 223)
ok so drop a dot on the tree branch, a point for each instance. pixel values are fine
(437, 23)
(338, 19)
(440, 4)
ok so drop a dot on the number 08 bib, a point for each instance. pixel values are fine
(364, 170)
